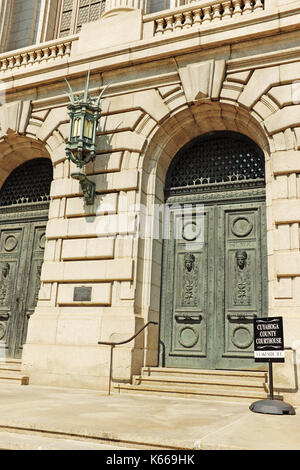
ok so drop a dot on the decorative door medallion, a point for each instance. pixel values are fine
(23, 216)
(214, 279)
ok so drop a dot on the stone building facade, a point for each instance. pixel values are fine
(188, 82)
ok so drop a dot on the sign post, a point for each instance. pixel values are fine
(269, 347)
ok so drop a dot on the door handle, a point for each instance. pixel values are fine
(188, 318)
(241, 316)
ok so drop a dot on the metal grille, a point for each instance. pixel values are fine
(89, 10)
(66, 18)
(218, 158)
(75, 13)
(30, 182)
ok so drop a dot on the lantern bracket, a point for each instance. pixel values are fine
(87, 186)
(84, 115)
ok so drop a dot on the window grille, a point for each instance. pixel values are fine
(29, 182)
(224, 159)
(75, 13)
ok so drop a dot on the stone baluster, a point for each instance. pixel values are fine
(237, 5)
(207, 14)
(25, 58)
(39, 55)
(227, 9)
(258, 5)
(53, 52)
(18, 60)
(188, 19)
(160, 26)
(197, 16)
(4, 64)
(178, 22)
(61, 49)
(31, 57)
(46, 52)
(169, 24)
(68, 46)
(248, 8)
(216, 12)
(11, 62)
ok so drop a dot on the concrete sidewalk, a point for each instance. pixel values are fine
(52, 418)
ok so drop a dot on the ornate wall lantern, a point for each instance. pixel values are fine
(84, 115)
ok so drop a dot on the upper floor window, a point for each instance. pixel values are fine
(74, 13)
(158, 5)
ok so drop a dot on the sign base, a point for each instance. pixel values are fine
(272, 407)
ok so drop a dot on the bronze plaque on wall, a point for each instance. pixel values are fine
(82, 294)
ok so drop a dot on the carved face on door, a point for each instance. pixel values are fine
(189, 261)
(241, 258)
(5, 268)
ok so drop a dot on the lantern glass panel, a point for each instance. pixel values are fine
(88, 128)
(75, 128)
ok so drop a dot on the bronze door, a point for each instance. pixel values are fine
(213, 285)
(21, 257)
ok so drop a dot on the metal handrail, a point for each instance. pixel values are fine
(112, 344)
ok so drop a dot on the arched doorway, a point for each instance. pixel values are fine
(24, 206)
(214, 279)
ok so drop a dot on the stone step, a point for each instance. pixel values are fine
(249, 375)
(193, 392)
(20, 379)
(10, 372)
(10, 366)
(202, 382)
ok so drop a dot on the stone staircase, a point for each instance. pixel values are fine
(10, 372)
(225, 385)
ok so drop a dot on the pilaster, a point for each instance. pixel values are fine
(6, 8)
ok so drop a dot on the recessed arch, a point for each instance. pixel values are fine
(166, 140)
(216, 161)
(17, 149)
(28, 183)
(214, 276)
(26, 175)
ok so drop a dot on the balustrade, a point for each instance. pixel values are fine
(206, 14)
(36, 55)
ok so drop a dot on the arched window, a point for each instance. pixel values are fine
(216, 161)
(74, 13)
(28, 183)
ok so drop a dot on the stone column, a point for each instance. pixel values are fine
(6, 8)
(122, 23)
(124, 5)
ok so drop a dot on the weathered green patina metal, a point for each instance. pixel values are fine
(214, 285)
(23, 216)
(81, 146)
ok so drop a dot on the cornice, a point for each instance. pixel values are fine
(198, 39)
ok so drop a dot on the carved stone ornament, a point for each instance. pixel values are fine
(242, 280)
(14, 117)
(4, 283)
(190, 281)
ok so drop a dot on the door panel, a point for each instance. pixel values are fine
(21, 257)
(186, 303)
(242, 272)
(213, 286)
(13, 239)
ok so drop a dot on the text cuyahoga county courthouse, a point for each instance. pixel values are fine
(150, 184)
